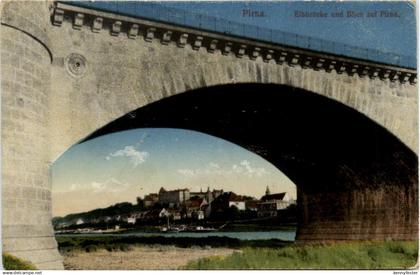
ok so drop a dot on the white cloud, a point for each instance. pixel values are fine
(257, 171)
(97, 186)
(243, 168)
(135, 156)
(214, 165)
(187, 172)
(110, 185)
(75, 186)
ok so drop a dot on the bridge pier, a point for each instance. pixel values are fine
(384, 213)
(26, 182)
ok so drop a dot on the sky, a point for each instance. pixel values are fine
(388, 34)
(122, 166)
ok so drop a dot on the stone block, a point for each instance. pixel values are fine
(319, 64)
(255, 53)
(268, 56)
(197, 43)
(294, 60)
(282, 57)
(182, 40)
(166, 37)
(364, 71)
(227, 48)
(133, 32)
(241, 51)
(78, 21)
(307, 62)
(116, 28)
(374, 73)
(58, 17)
(97, 24)
(150, 34)
(213, 46)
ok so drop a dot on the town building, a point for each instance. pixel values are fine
(173, 198)
(156, 214)
(196, 203)
(226, 200)
(271, 203)
(252, 205)
(150, 200)
(198, 215)
(175, 215)
(106, 219)
(194, 208)
(208, 195)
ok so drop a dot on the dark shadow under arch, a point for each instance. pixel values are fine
(342, 162)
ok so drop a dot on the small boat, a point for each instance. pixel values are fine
(200, 229)
(171, 229)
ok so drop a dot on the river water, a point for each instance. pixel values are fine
(254, 235)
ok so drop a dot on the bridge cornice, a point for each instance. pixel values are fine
(181, 36)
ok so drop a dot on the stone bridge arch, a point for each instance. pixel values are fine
(349, 171)
(62, 81)
(118, 74)
(150, 72)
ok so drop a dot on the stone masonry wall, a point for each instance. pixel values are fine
(26, 181)
(389, 212)
(120, 75)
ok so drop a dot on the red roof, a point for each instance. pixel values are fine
(277, 196)
(196, 202)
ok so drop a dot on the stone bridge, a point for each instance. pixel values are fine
(343, 129)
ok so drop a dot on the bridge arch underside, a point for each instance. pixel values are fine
(355, 180)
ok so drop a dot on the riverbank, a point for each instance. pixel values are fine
(219, 226)
(351, 255)
(141, 257)
(131, 252)
(86, 243)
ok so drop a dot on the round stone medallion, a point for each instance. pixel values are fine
(76, 64)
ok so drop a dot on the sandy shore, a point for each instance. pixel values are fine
(140, 257)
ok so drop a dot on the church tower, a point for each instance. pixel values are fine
(267, 191)
(209, 195)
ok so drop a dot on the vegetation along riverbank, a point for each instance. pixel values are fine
(351, 255)
(114, 252)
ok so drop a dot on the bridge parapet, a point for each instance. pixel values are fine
(167, 34)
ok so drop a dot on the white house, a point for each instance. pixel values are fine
(271, 203)
(164, 213)
(238, 204)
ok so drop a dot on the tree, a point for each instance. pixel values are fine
(233, 213)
